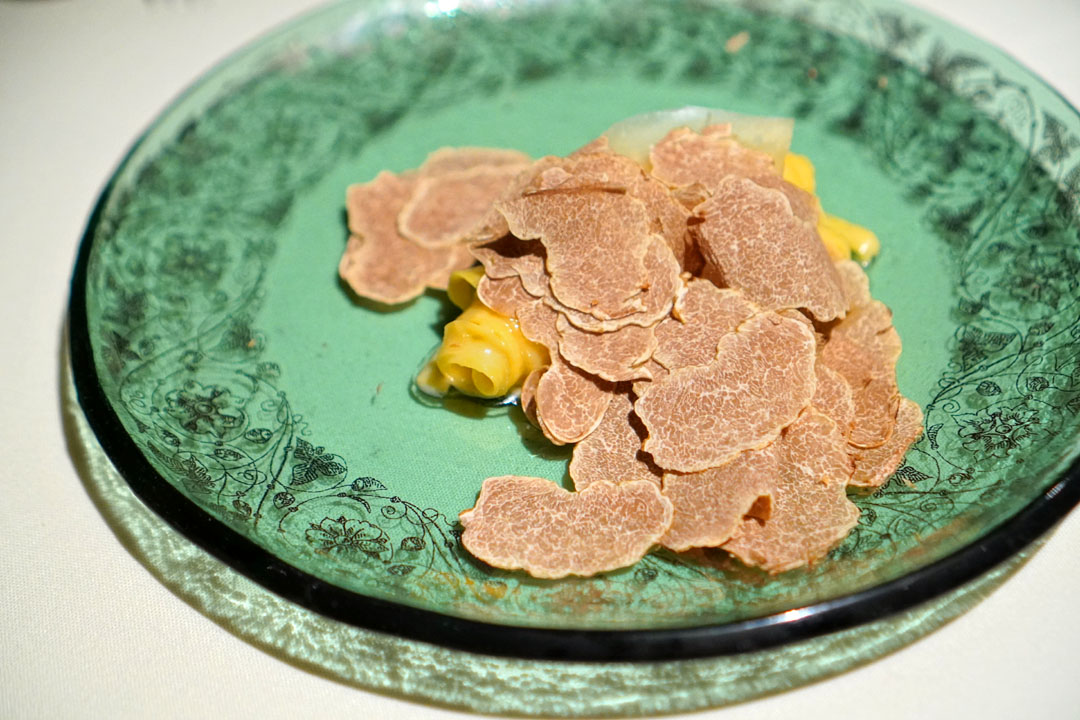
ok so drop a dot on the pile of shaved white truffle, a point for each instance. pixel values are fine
(724, 382)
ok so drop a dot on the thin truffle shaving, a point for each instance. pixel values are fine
(448, 208)
(570, 403)
(505, 295)
(700, 417)
(700, 318)
(863, 348)
(533, 524)
(750, 238)
(585, 233)
(616, 356)
(684, 157)
(873, 466)
(711, 504)
(410, 232)
(661, 287)
(509, 257)
(810, 510)
(613, 451)
(833, 398)
(378, 263)
(456, 159)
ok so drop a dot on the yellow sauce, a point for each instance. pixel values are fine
(843, 239)
(483, 353)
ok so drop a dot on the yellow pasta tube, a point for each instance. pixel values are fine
(842, 238)
(461, 288)
(799, 171)
(851, 238)
(483, 353)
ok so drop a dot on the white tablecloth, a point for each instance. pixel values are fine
(86, 631)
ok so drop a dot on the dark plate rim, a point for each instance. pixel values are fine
(667, 644)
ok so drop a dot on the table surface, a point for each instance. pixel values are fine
(88, 632)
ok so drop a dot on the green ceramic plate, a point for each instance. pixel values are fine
(268, 417)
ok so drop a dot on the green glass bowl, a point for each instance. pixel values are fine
(267, 416)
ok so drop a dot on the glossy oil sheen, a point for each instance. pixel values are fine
(255, 384)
